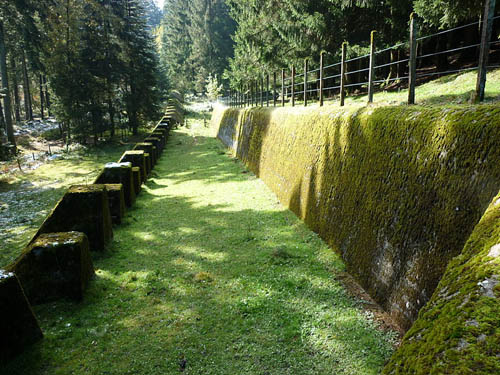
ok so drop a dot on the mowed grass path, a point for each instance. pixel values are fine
(209, 275)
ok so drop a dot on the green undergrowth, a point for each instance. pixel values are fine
(209, 274)
(26, 198)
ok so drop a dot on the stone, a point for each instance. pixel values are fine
(18, 324)
(136, 176)
(55, 266)
(84, 208)
(149, 167)
(119, 173)
(116, 199)
(137, 158)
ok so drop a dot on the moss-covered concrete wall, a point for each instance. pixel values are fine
(396, 190)
(458, 330)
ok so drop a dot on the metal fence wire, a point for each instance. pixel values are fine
(401, 66)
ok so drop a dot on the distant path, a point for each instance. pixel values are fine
(209, 275)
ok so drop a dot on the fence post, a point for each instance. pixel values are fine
(412, 79)
(306, 67)
(282, 87)
(489, 10)
(267, 90)
(321, 84)
(274, 89)
(342, 74)
(293, 86)
(372, 64)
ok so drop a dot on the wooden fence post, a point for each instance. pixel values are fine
(489, 11)
(342, 74)
(274, 89)
(372, 64)
(282, 87)
(306, 68)
(293, 86)
(321, 84)
(412, 79)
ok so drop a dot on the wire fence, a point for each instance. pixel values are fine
(473, 46)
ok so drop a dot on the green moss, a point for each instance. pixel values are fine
(396, 191)
(458, 332)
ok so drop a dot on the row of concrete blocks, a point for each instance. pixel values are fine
(57, 263)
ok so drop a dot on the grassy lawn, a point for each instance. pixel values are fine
(209, 274)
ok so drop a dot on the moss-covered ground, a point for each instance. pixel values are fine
(209, 274)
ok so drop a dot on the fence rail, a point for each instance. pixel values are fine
(402, 64)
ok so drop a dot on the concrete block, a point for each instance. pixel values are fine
(18, 324)
(54, 266)
(84, 208)
(119, 173)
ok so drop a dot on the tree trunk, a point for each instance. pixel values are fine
(47, 96)
(111, 111)
(41, 96)
(17, 101)
(2, 120)
(5, 86)
(27, 92)
(441, 60)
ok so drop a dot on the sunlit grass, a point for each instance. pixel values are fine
(209, 274)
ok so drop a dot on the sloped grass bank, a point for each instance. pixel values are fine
(209, 275)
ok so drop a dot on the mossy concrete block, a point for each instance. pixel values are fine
(137, 158)
(18, 324)
(165, 126)
(458, 330)
(395, 190)
(136, 175)
(157, 143)
(116, 199)
(55, 266)
(160, 135)
(148, 148)
(119, 173)
(84, 208)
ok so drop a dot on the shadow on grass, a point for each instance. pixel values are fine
(199, 282)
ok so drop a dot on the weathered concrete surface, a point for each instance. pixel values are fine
(396, 191)
(84, 208)
(18, 324)
(136, 175)
(149, 149)
(56, 265)
(119, 173)
(458, 330)
(137, 158)
(116, 200)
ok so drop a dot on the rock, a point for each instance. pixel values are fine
(18, 324)
(56, 265)
(84, 208)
